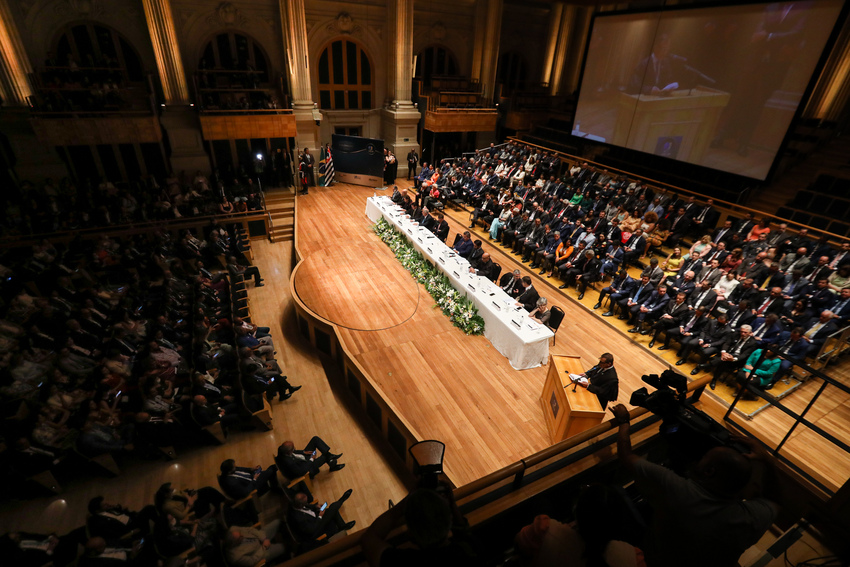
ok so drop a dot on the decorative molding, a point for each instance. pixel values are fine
(344, 24)
(227, 15)
(438, 31)
(84, 8)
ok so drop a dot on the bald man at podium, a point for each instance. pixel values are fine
(602, 380)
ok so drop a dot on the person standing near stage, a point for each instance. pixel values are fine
(412, 160)
(306, 167)
(602, 380)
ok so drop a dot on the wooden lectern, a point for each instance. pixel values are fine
(688, 116)
(568, 412)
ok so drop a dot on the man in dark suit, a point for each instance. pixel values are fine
(703, 296)
(511, 283)
(821, 296)
(307, 461)
(635, 246)
(206, 414)
(485, 267)
(733, 354)
(308, 522)
(842, 307)
(670, 317)
(591, 270)
(527, 299)
(704, 219)
(685, 283)
(723, 233)
(650, 309)
(766, 330)
(740, 315)
(792, 346)
(679, 227)
(689, 326)
(771, 303)
(602, 380)
(239, 482)
(711, 338)
(639, 295)
(622, 283)
(818, 329)
(441, 228)
(111, 521)
(427, 221)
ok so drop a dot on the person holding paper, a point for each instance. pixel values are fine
(602, 380)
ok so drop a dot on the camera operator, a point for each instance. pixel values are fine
(709, 519)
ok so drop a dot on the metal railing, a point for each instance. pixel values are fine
(835, 343)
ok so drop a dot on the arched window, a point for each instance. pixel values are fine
(435, 60)
(512, 71)
(233, 51)
(345, 77)
(91, 45)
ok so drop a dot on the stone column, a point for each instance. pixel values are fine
(14, 64)
(399, 119)
(167, 51)
(579, 29)
(178, 118)
(400, 52)
(566, 21)
(490, 48)
(294, 23)
(551, 42)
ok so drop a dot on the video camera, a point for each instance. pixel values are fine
(689, 432)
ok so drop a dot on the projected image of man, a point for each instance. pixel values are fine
(658, 73)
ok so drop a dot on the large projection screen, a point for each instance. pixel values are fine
(716, 87)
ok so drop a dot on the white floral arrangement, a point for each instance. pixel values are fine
(455, 305)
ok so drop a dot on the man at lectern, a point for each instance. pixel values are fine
(656, 74)
(602, 380)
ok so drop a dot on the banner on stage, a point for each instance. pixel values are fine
(358, 160)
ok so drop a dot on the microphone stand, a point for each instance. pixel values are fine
(700, 74)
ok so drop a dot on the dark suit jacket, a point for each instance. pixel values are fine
(441, 229)
(749, 346)
(707, 303)
(797, 351)
(107, 528)
(771, 335)
(528, 298)
(237, 487)
(604, 383)
(714, 334)
(305, 527)
(823, 332)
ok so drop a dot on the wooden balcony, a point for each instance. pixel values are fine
(461, 120)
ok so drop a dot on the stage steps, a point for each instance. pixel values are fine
(280, 203)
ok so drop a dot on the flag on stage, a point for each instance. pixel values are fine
(327, 167)
(323, 166)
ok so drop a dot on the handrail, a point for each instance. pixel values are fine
(248, 110)
(726, 204)
(172, 224)
(81, 113)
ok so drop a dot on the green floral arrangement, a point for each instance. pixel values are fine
(454, 304)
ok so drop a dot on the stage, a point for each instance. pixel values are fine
(444, 384)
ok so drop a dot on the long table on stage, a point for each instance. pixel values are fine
(523, 341)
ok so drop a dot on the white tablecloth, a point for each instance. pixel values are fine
(524, 342)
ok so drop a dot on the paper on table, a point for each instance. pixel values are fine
(578, 378)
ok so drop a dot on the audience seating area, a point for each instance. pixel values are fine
(573, 197)
(825, 205)
(50, 207)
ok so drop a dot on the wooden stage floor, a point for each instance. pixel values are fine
(446, 385)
